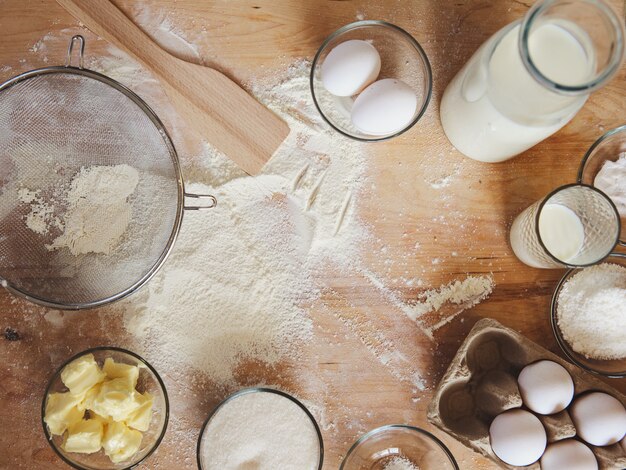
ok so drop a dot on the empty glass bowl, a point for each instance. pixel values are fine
(377, 448)
(149, 381)
(609, 147)
(207, 445)
(614, 368)
(401, 57)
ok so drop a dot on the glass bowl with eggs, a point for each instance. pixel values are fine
(398, 446)
(371, 81)
(604, 167)
(105, 408)
(587, 316)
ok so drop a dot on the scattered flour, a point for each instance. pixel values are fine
(260, 430)
(462, 295)
(98, 209)
(400, 463)
(611, 179)
(41, 216)
(237, 284)
(591, 313)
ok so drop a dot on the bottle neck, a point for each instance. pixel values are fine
(571, 47)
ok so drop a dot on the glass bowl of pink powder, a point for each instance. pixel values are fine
(604, 167)
(587, 316)
(398, 447)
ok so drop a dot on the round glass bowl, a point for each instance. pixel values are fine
(401, 57)
(244, 429)
(149, 381)
(379, 447)
(606, 148)
(614, 368)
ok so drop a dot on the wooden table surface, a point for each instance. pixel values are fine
(247, 39)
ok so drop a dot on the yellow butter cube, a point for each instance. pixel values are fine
(120, 442)
(118, 370)
(90, 396)
(84, 437)
(141, 417)
(105, 421)
(82, 374)
(62, 411)
(117, 399)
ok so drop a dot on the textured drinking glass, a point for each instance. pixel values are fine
(598, 217)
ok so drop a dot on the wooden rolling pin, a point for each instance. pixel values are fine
(212, 104)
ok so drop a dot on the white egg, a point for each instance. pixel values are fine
(517, 437)
(350, 67)
(599, 418)
(569, 454)
(384, 107)
(546, 387)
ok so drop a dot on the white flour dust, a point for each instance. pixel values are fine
(238, 282)
(98, 209)
(400, 463)
(92, 212)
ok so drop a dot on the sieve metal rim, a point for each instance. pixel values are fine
(181, 193)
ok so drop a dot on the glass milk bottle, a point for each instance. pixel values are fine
(531, 77)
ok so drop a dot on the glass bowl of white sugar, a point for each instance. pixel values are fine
(604, 167)
(398, 447)
(260, 428)
(589, 316)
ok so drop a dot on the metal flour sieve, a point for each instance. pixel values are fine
(54, 123)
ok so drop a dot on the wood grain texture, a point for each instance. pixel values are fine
(463, 225)
(209, 102)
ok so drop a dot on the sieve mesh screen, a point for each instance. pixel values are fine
(52, 126)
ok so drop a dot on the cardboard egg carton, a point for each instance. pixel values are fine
(481, 383)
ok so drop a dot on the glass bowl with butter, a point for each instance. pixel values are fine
(105, 408)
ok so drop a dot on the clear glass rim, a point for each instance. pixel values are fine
(388, 427)
(166, 411)
(427, 69)
(607, 135)
(565, 348)
(585, 88)
(248, 390)
(583, 164)
(559, 189)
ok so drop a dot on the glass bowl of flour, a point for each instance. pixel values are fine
(398, 447)
(260, 428)
(604, 167)
(588, 318)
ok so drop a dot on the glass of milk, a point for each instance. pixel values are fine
(530, 78)
(575, 225)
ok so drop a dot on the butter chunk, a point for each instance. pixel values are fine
(89, 397)
(118, 370)
(84, 437)
(141, 417)
(117, 400)
(62, 411)
(120, 442)
(81, 374)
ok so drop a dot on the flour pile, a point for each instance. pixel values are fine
(400, 463)
(236, 286)
(98, 209)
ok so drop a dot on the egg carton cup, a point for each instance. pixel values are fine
(481, 382)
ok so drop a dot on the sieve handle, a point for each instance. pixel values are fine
(81, 51)
(212, 202)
